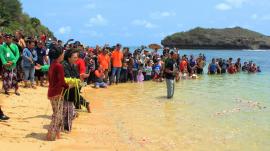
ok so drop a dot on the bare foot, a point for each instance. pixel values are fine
(48, 137)
(58, 135)
(88, 108)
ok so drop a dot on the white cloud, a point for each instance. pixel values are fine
(236, 3)
(230, 4)
(90, 6)
(143, 23)
(64, 30)
(265, 17)
(223, 7)
(91, 33)
(159, 15)
(98, 20)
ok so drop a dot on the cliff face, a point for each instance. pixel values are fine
(228, 38)
(12, 19)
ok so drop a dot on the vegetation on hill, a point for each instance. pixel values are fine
(12, 19)
(228, 38)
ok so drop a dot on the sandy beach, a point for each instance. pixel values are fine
(30, 116)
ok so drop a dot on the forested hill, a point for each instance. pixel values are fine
(227, 38)
(12, 18)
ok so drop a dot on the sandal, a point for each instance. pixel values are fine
(4, 118)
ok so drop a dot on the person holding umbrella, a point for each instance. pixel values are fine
(155, 47)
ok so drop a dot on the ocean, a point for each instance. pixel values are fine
(217, 112)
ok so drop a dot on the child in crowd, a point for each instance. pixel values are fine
(259, 69)
(157, 68)
(148, 71)
(140, 77)
(192, 75)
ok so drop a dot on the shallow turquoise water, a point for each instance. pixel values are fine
(220, 112)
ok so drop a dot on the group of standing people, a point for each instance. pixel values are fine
(222, 66)
(25, 60)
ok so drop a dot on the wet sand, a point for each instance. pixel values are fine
(139, 117)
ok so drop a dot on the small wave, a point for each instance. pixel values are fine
(257, 50)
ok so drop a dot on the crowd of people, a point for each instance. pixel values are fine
(39, 61)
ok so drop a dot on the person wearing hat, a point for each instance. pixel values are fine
(170, 72)
(9, 54)
(117, 58)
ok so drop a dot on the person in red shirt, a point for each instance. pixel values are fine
(183, 64)
(232, 69)
(117, 58)
(43, 38)
(57, 85)
(105, 61)
(82, 68)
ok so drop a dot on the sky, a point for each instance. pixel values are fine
(141, 22)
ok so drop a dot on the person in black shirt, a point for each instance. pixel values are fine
(41, 55)
(170, 72)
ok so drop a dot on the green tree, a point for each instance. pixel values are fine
(12, 19)
(35, 22)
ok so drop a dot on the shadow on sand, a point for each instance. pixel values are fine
(38, 136)
(39, 116)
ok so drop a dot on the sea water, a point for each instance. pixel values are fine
(217, 112)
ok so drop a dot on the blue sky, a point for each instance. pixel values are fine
(137, 22)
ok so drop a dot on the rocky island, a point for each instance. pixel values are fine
(228, 38)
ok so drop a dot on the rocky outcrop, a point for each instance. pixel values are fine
(228, 38)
